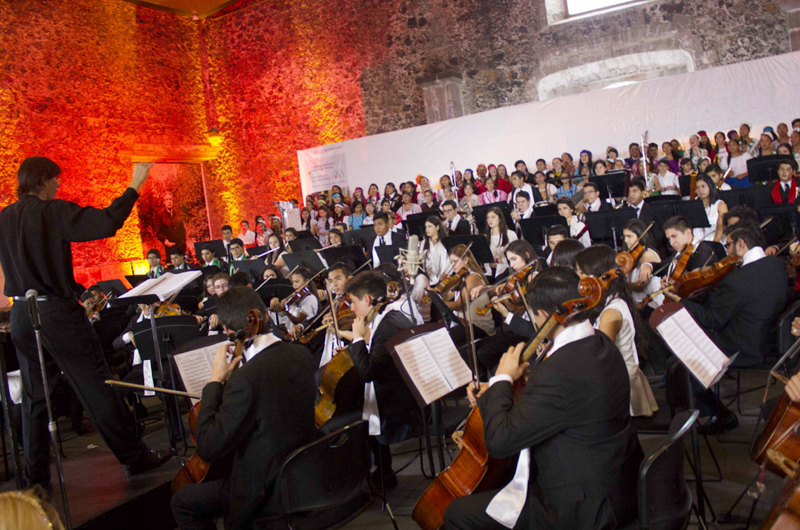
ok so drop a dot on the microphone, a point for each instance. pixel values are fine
(412, 257)
(33, 308)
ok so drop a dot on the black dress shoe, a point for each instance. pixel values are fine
(719, 424)
(151, 460)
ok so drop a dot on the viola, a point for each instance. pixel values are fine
(196, 470)
(473, 470)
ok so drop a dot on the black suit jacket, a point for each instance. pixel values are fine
(741, 312)
(704, 255)
(264, 412)
(397, 238)
(646, 214)
(399, 412)
(574, 416)
(461, 229)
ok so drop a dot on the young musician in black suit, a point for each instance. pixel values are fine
(644, 212)
(177, 261)
(392, 411)
(259, 413)
(740, 313)
(578, 451)
(680, 237)
(384, 236)
(592, 201)
(455, 224)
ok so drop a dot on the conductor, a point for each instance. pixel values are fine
(36, 253)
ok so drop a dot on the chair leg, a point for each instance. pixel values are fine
(700, 521)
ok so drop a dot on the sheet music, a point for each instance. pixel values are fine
(194, 368)
(164, 286)
(433, 374)
(444, 351)
(692, 346)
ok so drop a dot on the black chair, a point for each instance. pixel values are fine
(665, 501)
(325, 484)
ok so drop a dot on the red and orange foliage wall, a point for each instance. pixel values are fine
(85, 81)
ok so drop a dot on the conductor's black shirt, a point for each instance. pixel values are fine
(35, 246)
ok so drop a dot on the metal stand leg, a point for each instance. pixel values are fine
(438, 430)
(51, 424)
(9, 424)
(167, 403)
(698, 472)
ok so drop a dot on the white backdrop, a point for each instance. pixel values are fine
(761, 92)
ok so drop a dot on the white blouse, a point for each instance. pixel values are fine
(499, 252)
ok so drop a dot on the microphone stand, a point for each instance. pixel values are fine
(52, 426)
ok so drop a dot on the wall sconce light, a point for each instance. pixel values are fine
(214, 137)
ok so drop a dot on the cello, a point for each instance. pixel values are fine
(196, 470)
(473, 470)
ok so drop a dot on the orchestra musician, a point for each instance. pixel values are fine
(474, 281)
(384, 236)
(571, 428)
(555, 235)
(389, 406)
(455, 224)
(236, 250)
(591, 199)
(577, 229)
(39, 256)
(636, 189)
(641, 279)
(259, 413)
(681, 237)
(177, 261)
(499, 236)
(437, 261)
(154, 260)
(208, 257)
(302, 306)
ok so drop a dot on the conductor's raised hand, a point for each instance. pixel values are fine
(221, 370)
(510, 365)
(140, 172)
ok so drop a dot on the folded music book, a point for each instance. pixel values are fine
(690, 344)
(162, 287)
(431, 366)
(194, 368)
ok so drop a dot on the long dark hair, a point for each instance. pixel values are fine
(637, 227)
(713, 196)
(306, 275)
(273, 256)
(436, 221)
(502, 227)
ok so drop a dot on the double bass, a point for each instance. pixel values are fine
(196, 470)
(473, 470)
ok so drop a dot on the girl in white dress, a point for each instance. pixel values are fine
(706, 191)
(616, 319)
(641, 279)
(499, 236)
(577, 229)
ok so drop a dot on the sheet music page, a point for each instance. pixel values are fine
(194, 368)
(692, 346)
(423, 369)
(164, 286)
(444, 351)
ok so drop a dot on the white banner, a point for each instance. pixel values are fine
(761, 92)
(323, 168)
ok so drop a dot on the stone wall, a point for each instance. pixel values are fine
(503, 48)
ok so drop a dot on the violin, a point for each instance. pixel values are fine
(692, 283)
(295, 298)
(450, 282)
(94, 313)
(196, 470)
(510, 288)
(344, 316)
(473, 470)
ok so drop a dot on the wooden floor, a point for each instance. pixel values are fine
(101, 496)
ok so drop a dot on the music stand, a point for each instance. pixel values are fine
(300, 245)
(757, 197)
(116, 287)
(277, 288)
(534, 230)
(612, 184)
(388, 253)
(254, 267)
(479, 212)
(304, 234)
(135, 279)
(480, 247)
(548, 210)
(658, 199)
(255, 251)
(362, 237)
(694, 212)
(307, 258)
(685, 185)
(180, 330)
(210, 270)
(732, 197)
(608, 225)
(765, 168)
(783, 225)
(663, 210)
(415, 224)
(216, 245)
(352, 256)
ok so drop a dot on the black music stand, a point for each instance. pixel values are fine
(253, 267)
(612, 184)
(685, 185)
(352, 256)
(216, 245)
(732, 197)
(757, 197)
(534, 230)
(388, 253)
(115, 287)
(179, 330)
(307, 258)
(480, 247)
(659, 199)
(479, 213)
(362, 237)
(415, 224)
(663, 210)
(694, 212)
(783, 226)
(277, 288)
(135, 279)
(304, 234)
(605, 226)
(550, 210)
(255, 251)
(210, 270)
(764, 168)
(300, 245)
